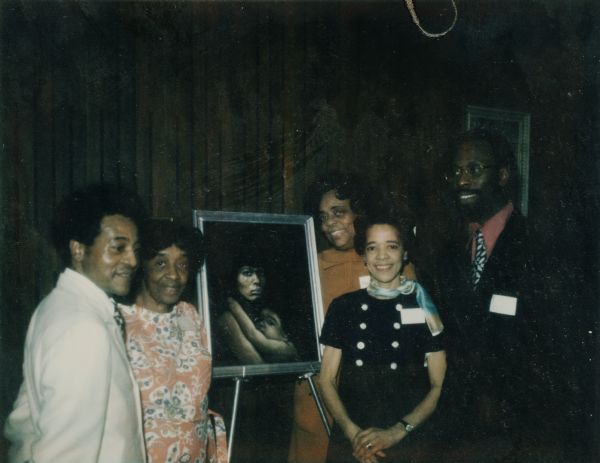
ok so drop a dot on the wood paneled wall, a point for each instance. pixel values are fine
(239, 106)
(204, 106)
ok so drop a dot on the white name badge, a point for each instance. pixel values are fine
(504, 305)
(412, 316)
(364, 281)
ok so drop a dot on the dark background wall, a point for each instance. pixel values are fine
(238, 106)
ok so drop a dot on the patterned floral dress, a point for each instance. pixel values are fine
(172, 366)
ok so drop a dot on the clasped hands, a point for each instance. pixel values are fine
(369, 444)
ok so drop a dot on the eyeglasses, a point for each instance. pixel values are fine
(473, 170)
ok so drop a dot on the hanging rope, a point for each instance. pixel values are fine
(411, 8)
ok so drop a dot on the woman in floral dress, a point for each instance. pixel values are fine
(167, 348)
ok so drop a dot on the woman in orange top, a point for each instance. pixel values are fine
(335, 200)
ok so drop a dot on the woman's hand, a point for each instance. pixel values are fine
(352, 433)
(370, 443)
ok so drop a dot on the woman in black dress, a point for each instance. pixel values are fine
(381, 337)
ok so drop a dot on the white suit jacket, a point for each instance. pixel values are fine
(79, 401)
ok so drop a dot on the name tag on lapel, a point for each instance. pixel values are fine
(412, 316)
(364, 281)
(504, 305)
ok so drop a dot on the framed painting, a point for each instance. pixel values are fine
(515, 126)
(259, 293)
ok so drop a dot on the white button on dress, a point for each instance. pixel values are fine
(397, 326)
(360, 345)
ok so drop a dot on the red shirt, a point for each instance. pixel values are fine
(491, 229)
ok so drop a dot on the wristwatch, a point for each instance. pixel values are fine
(407, 426)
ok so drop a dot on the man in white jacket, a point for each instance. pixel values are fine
(79, 401)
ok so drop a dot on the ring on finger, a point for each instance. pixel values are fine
(369, 446)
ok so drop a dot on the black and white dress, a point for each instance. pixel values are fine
(383, 376)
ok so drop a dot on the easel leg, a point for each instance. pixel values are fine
(317, 397)
(238, 386)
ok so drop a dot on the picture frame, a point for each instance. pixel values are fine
(259, 293)
(515, 126)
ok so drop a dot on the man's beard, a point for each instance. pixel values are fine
(482, 206)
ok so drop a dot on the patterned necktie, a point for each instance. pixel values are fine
(479, 259)
(119, 320)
